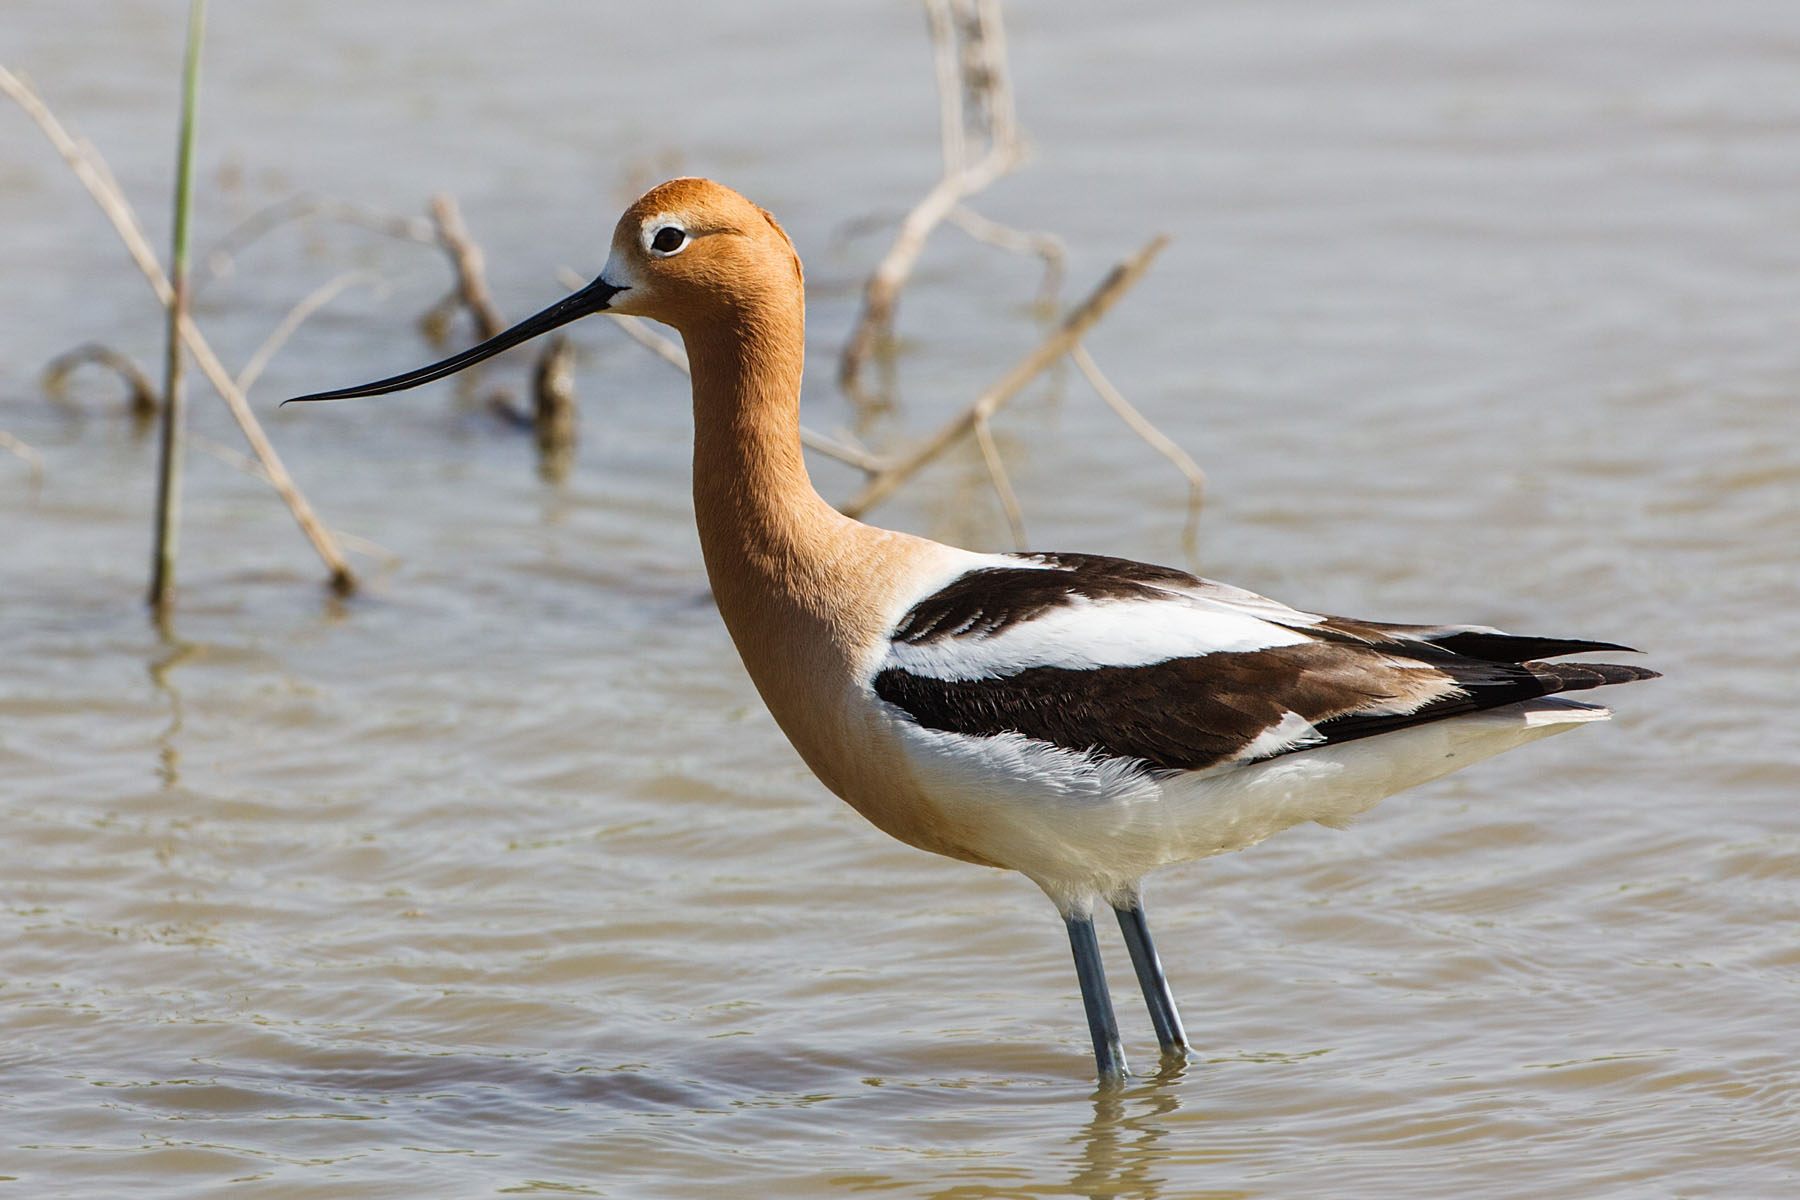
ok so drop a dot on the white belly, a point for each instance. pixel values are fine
(1087, 828)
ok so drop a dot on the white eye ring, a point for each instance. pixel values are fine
(664, 237)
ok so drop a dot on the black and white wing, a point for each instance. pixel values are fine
(1134, 661)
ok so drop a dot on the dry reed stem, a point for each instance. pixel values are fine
(221, 258)
(665, 348)
(342, 579)
(1009, 500)
(1046, 246)
(1068, 332)
(844, 452)
(471, 267)
(143, 402)
(984, 50)
(236, 459)
(311, 303)
(671, 352)
(981, 72)
(939, 21)
(555, 413)
(33, 461)
(1159, 441)
(86, 163)
(173, 423)
(240, 461)
(881, 293)
(88, 167)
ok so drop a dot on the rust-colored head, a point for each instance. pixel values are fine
(690, 253)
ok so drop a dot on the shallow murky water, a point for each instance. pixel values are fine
(496, 878)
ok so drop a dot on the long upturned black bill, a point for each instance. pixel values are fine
(591, 299)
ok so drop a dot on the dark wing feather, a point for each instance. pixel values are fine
(1469, 641)
(1349, 680)
(991, 600)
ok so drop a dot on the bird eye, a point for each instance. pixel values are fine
(668, 239)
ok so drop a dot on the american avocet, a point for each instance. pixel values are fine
(1076, 718)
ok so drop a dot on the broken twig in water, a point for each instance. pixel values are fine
(969, 50)
(1068, 332)
(554, 415)
(471, 290)
(142, 401)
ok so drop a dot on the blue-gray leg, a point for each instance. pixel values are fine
(1157, 998)
(1109, 1056)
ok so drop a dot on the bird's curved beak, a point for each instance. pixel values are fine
(593, 298)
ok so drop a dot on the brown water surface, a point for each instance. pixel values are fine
(496, 878)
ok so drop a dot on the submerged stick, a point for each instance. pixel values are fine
(556, 416)
(174, 411)
(142, 400)
(91, 170)
(1068, 332)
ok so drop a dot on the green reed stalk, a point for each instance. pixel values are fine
(174, 417)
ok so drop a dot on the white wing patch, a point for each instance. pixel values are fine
(1084, 634)
(1289, 733)
(1236, 599)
